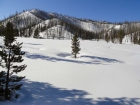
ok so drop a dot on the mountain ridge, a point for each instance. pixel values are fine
(54, 25)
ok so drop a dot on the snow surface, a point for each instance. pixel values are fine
(104, 74)
(117, 27)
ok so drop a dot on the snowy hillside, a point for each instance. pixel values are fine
(23, 20)
(35, 16)
(104, 74)
(54, 25)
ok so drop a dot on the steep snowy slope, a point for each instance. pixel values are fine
(40, 14)
(23, 19)
(87, 25)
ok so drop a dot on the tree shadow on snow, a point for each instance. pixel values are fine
(102, 59)
(96, 60)
(117, 101)
(32, 44)
(39, 93)
(63, 55)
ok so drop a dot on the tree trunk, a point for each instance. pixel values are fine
(7, 77)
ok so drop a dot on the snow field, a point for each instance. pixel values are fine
(103, 74)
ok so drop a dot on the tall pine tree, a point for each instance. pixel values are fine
(36, 33)
(75, 46)
(10, 53)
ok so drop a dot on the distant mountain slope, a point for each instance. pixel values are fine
(54, 25)
(35, 16)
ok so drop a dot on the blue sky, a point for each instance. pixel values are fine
(108, 10)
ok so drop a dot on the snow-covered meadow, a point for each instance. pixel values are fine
(104, 73)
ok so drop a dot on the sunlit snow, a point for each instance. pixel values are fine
(103, 74)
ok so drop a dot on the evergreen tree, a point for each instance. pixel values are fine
(2, 84)
(121, 35)
(107, 37)
(10, 53)
(135, 38)
(9, 34)
(16, 32)
(29, 31)
(23, 31)
(75, 46)
(36, 33)
(139, 41)
(1, 30)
